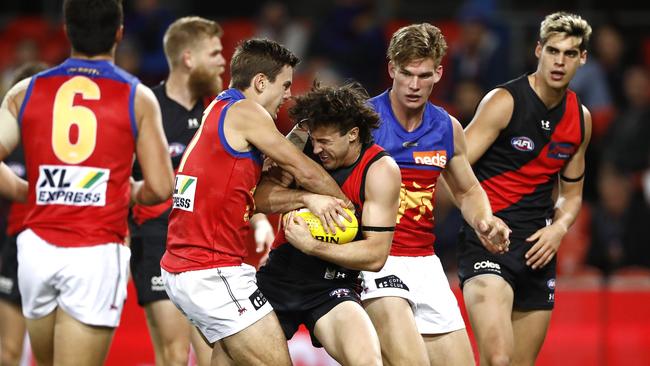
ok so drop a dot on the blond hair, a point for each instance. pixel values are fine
(417, 41)
(184, 32)
(570, 24)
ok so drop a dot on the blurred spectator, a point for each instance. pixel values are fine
(610, 49)
(275, 23)
(627, 143)
(352, 41)
(482, 52)
(145, 27)
(127, 57)
(620, 234)
(26, 51)
(466, 97)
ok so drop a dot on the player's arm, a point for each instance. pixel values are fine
(546, 241)
(377, 220)
(471, 198)
(257, 127)
(11, 186)
(152, 151)
(492, 115)
(273, 197)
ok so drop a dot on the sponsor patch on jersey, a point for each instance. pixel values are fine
(488, 266)
(391, 281)
(522, 143)
(257, 299)
(184, 191)
(561, 150)
(433, 158)
(176, 149)
(71, 185)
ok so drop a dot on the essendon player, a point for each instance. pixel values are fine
(193, 49)
(409, 301)
(202, 268)
(316, 283)
(528, 137)
(80, 124)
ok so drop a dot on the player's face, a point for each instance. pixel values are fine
(208, 65)
(559, 60)
(413, 82)
(334, 150)
(278, 92)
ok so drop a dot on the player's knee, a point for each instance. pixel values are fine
(176, 354)
(499, 359)
(10, 353)
(365, 359)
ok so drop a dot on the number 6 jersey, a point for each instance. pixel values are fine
(78, 131)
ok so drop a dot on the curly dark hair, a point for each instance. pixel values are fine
(343, 107)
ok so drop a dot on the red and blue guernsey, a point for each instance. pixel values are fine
(78, 132)
(421, 154)
(213, 197)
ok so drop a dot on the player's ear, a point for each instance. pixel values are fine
(259, 82)
(353, 134)
(119, 34)
(391, 69)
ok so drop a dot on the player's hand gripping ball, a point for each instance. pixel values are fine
(318, 231)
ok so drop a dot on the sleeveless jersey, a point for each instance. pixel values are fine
(519, 170)
(179, 125)
(213, 197)
(17, 211)
(352, 180)
(78, 132)
(421, 155)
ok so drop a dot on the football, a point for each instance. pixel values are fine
(319, 233)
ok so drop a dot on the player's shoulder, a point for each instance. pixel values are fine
(247, 112)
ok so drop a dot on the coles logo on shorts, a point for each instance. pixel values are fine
(391, 281)
(488, 266)
(184, 191)
(71, 185)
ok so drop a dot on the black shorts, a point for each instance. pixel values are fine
(298, 297)
(533, 289)
(9, 272)
(147, 248)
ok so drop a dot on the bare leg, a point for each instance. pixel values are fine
(76, 343)
(170, 333)
(12, 333)
(488, 299)
(41, 338)
(451, 348)
(401, 343)
(262, 343)
(202, 349)
(347, 334)
(529, 330)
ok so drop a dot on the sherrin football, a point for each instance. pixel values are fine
(319, 233)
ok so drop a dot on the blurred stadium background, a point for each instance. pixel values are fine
(602, 314)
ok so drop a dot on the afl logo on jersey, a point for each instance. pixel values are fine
(522, 143)
(176, 149)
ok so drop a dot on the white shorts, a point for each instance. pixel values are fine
(88, 283)
(218, 301)
(422, 281)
